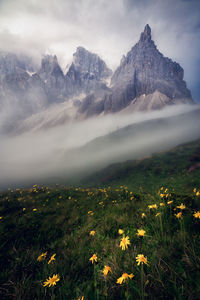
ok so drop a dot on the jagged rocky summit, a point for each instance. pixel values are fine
(88, 72)
(144, 80)
(26, 90)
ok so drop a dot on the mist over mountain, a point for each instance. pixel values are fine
(69, 152)
(24, 90)
(64, 123)
(145, 80)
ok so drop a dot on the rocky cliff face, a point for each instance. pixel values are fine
(87, 73)
(144, 80)
(21, 89)
(25, 90)
(143, 72)
(52, 76)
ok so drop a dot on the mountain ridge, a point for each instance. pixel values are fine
(144, 80)
(143, 71)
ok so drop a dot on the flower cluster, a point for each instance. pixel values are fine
(124, 277)
(52, 280)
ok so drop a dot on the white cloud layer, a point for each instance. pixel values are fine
(74, 150)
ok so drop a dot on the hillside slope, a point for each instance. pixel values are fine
(178, 168)
(52, 234)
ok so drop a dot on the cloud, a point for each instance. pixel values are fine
(105, 27)
(76, 149)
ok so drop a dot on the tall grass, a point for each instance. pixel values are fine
(59, 221)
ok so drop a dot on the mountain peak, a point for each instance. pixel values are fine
(146, 34)
(90, 63)
(50, 66)
(50, 59)
(80, 49)
(145, 71)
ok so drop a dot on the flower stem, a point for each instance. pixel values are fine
(95, 283)
(161, 225)
(182, 231)
(142, 282)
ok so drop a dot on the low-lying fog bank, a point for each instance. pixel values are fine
(76, 149)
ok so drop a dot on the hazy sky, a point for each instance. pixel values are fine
(109, 28)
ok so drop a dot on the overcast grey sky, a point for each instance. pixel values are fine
(108, 28)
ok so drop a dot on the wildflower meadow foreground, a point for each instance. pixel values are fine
(99, 243)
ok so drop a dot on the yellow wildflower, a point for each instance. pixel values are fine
(92, 232)
(157, 214)
(42, 256)
(93, 258)
(153, 206)
(106, 270)
(24, 208)
(143, 215)
(81, 298)
(162, 195)
(90, 212)
(124, 277)
(52, 258)
(178, 215)
(197, 193)
(140, 232)
(120, 231)
(170, 202)
(124, 243)
(194, 190)
(52, 280)
(35, 209)
(141, 259)
(197, 214)
(1, 218)
(182, 206)
(162, 203)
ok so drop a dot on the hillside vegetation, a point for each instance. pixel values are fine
(136, 237)
(86, 241)
(178, 169)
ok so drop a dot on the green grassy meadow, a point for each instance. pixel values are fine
(74, 223)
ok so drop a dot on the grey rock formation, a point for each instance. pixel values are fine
(90, 64)
(87, 73)
(145, 79)
(53, 78)
(21, 91)
(142, 72)
(25, 91)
